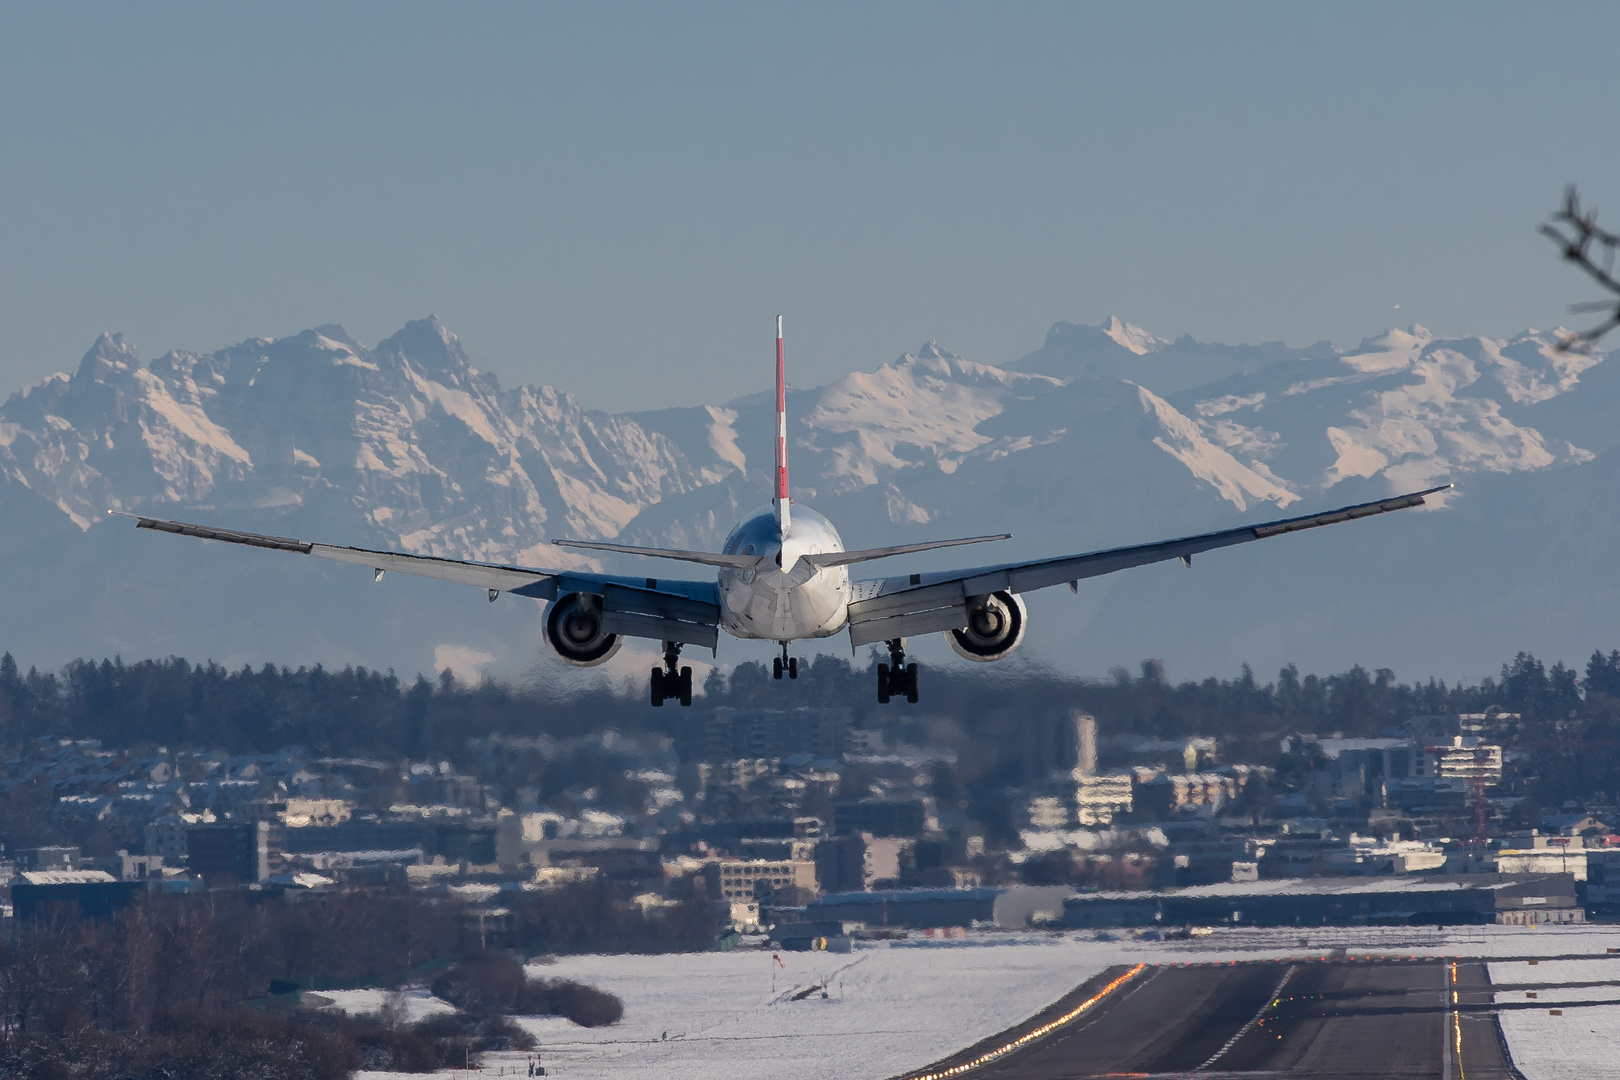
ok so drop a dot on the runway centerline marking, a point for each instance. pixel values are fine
(1271, 1003)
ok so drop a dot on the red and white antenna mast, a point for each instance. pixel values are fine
(781, 500)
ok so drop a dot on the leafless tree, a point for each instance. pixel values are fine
(1575, 230)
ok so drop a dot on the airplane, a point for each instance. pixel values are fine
(783, 576)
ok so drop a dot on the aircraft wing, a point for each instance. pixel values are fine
(895, 607)
(658, 608)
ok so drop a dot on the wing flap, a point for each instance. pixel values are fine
(619, 598)
(909, 600)
(907, 624)
(631, 624)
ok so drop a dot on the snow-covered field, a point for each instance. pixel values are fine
(891, 1007)
(1581, 1044)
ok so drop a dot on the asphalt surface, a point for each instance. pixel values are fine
(1339, 1020)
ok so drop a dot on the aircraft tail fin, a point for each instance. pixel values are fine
(781, 500)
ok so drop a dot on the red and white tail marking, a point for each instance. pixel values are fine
(781, 500)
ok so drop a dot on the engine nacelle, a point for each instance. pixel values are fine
(995, 627)
(574, 630)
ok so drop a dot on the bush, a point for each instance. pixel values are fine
(584, 1005)
(380, 1046)
(494, 984)
(457, 1037)
(482, 984)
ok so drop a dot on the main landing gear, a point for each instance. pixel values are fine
(897, 678)
(789, 664)
(668, 683)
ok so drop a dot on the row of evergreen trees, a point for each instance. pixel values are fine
(358, 711)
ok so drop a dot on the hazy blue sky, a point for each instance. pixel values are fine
(619, 198)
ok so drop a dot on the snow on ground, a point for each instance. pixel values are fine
(894, 1006)
(887, 1009)
(1577, 1045)
(417, 1004)
(1544, 972)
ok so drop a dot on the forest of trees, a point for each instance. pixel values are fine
(977, 711)
(168, 988)
(358, 711)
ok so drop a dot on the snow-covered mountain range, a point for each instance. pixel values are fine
(1106, 434)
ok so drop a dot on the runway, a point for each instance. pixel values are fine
(1335, 1020)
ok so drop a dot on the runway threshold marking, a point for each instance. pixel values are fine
(1031, 1036)
(1271, 1003)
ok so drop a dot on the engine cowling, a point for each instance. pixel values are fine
(995, 627)
(574, 630)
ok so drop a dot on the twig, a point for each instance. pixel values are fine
(1576, 232)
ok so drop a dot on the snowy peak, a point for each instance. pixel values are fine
(1132, 338)
(108, 358)
(429, 347)
(923, 410)
(932, 351)
(1188, 441)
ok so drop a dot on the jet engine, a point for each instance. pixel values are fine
(995, 627)
(574, 630)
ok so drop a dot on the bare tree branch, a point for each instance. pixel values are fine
(1591, 248)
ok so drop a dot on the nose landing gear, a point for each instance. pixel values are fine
(897, 678)
(789, 664)
(670, 683)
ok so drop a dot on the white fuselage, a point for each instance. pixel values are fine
(784, 598)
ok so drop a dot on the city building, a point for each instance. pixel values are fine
(1603, 880)
(85, 894)
(841, 863)
(751, 879)
(233, 852)
(1013, 907)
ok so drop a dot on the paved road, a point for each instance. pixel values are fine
(1333, 1021)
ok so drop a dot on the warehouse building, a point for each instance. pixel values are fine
(1519, 899)
(1010, 907)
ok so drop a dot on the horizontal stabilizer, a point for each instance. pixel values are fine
(707, 558)
(844, 558)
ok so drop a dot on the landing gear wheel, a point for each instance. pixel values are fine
(669, 682)
(897, 678)
(793, 667)
(776, 667)
(685, 693)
